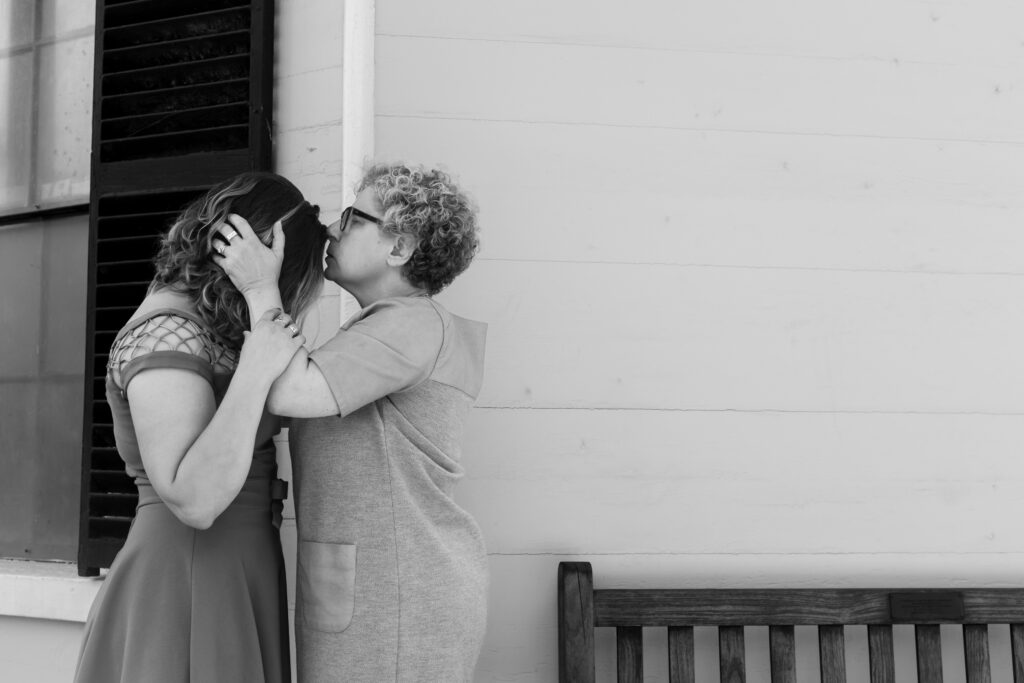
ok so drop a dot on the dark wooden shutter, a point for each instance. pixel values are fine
(182, 100)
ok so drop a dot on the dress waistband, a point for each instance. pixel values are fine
(255, 494)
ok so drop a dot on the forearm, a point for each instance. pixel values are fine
(215, 466)
(301, 390)
(261, 300)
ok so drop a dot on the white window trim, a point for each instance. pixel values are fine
(45, 590)
(358, 76)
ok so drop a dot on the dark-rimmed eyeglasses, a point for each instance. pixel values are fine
(347, 214)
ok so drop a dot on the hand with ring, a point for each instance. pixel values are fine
(247, 261)
(273, 342)
(286, 321)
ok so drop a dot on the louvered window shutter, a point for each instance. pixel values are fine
(182, 100)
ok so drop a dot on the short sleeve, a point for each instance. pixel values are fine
(392, 346)
(167, 341)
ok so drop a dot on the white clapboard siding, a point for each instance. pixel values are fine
(656, 514)
(753, 279)
(561, 444)
(677, 338)
(308, 157)
(680, 90)
(531, 223)
(293, 94)
(617, 161)
(961, 32)
(595, 193)
(308, 39)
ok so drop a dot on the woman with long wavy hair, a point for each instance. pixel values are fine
(197, 593)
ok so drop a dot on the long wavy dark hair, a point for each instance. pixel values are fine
(184, 262)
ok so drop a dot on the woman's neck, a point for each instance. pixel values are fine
(391, 291)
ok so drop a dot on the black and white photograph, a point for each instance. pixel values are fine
(457, 341)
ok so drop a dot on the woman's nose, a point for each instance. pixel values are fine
(334, 230)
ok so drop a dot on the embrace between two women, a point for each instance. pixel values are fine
(391, 574)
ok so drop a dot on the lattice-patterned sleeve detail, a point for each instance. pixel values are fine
(168, 341)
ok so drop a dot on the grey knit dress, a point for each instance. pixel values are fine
(392, 573)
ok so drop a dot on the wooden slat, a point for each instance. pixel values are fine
(575, 623)
(1017, 647)
(498, 80)
(782, 644)
(629, 647)
(832, 652)
(929, 653)
(528, 462)
(731, 660)
(897, 29)
(976, 656)
(754, 607)
(880, 654)
(680, 654)
(724, 200)
(588, 375)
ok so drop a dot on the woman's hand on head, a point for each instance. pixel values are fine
(250, 264)
(274, 339)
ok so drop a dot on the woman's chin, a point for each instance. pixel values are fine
(331, 272)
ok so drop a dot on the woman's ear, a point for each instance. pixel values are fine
(402, 251)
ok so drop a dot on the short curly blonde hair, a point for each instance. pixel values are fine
(427, 205)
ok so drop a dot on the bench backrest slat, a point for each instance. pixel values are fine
(929, 653)
(976, 653)
(680, 654)
(731, 655)
(1017, 647)
(880, 654)
(782, 650)
(832, 654)
(629, 648)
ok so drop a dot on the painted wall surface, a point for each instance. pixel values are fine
(38, 650)
(753, 274)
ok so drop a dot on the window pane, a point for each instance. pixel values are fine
(15, 129)
(65, 115)
(42, 368)
(16, 17)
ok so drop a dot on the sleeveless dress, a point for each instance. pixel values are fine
(183, 605)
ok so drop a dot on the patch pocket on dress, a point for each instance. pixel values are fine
(327, 580)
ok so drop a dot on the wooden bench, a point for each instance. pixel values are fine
(581, 609)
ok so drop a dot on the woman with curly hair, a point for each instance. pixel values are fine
(392, 573)
(197, 592)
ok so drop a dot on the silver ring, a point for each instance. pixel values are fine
(231, 236)
(219, 248)
(294, 329)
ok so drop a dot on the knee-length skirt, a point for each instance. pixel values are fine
(182, 605)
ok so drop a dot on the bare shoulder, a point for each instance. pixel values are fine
(165, 299)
